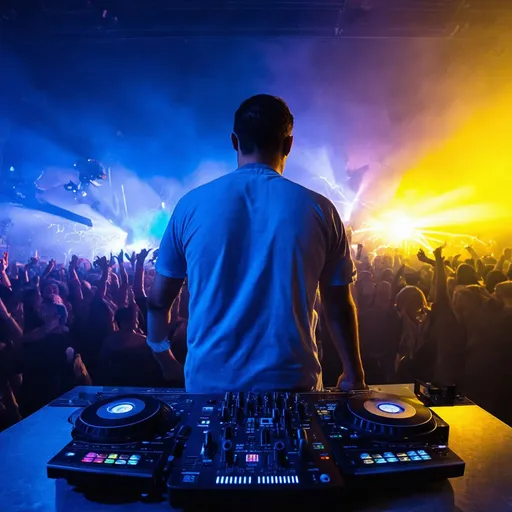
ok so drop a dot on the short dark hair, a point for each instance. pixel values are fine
(262, 122)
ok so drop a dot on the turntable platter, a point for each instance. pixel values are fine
(124, 418)
(387, 415)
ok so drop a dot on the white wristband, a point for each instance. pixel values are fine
(160, 346)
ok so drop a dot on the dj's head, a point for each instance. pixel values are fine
(262, 131)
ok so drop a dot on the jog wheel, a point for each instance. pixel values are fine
(124, 419)
(390, 416)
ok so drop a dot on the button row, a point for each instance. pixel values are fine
(233, 480)
(113, 458)
(262, 480)
(412, 455)
(293, 479)
(397, 459)
(119, 462)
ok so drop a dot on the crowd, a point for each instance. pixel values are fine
(447, 320)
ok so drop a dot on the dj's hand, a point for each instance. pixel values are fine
(346, 383)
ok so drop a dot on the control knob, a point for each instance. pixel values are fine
(208, 450)
(229, 452)
(280, 454)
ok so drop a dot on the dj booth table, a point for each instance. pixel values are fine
(484, 442)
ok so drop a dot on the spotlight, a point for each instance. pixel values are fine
(11, 168)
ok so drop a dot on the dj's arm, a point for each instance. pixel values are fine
(163, 293)
(341, 321)
(171, 269)
(339, 310)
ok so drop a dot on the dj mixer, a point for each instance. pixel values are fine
(252, 447)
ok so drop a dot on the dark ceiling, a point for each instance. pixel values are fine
(115, 19)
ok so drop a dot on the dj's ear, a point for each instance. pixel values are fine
(234, 142)
(287, 145)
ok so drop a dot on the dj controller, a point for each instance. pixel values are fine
(252, 447)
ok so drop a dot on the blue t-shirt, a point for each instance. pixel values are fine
(254, 247)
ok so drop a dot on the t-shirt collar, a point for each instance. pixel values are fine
(257, 168)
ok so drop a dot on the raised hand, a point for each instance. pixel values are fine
(6, 259)
(423, 257)
(438, 253)
(73, 264)
(141, 257)
(132, 259)
(50, 267)
(120, 258)
(102, 263)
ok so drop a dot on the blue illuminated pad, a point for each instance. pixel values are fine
(381, 461)
(415, 457)
(120, 408)
(392, 459)
(365, 456)
(390, 408)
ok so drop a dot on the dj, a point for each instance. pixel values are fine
(255, 247)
